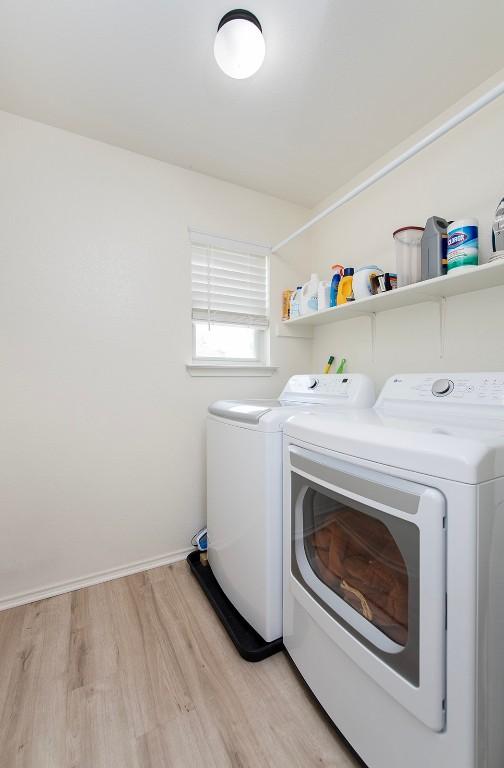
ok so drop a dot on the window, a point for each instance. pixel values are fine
(216, 341)
(230, 307)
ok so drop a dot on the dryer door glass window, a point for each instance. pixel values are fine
(361, 564)
(358, 558)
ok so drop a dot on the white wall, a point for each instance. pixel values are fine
(461, 175)
(102, 428)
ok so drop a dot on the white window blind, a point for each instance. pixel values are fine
(229, 281)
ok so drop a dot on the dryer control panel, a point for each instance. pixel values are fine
(444, 388)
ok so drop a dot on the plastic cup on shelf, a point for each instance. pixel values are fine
(408, 255)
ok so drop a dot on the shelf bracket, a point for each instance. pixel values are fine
(442, 325)
(288, 332)
(372, 319)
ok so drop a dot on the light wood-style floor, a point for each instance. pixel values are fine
(138, 673)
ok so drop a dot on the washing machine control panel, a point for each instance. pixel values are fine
(352, 389)
(465, 388)
(323, 384)
(329, 386)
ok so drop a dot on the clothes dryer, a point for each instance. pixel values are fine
(394, 569)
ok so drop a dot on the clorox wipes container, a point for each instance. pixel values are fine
(462, 245)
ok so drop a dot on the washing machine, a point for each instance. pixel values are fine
(394, 569)
(244, 489)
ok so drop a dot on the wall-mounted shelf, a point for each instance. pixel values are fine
(485, 276)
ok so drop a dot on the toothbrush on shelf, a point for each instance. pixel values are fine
(341, 366)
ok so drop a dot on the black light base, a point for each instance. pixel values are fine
(249, 644)
(239, 13)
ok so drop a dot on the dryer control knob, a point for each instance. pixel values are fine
(442, 387)
(313, 383)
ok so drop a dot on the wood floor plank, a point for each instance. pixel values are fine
(93, 650)
(139, 673)
(178, 745)
(11, 625)
(153, 687)
(98, 734)
(33, 722)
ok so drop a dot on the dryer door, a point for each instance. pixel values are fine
(368, 562)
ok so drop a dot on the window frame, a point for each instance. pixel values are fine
(261, 332)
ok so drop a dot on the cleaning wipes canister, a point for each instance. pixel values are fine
(462, 244)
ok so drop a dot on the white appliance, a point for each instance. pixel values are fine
(244, 489)
(394, 569)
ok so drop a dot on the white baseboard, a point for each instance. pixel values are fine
(95, 578)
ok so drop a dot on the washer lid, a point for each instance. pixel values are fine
(466, 450)
(248, 411)
(301, 391)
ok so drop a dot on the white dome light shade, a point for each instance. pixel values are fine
(239, 46)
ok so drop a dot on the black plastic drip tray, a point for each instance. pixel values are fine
(247, 641)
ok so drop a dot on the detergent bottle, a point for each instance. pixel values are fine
(324, 295)
(309, 296)
(337, 273)
(345, 286)
(294, 307)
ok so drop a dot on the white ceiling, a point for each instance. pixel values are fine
(343, 80)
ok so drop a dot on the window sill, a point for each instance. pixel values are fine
(230, 369)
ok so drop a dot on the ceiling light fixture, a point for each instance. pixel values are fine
(239, 46)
